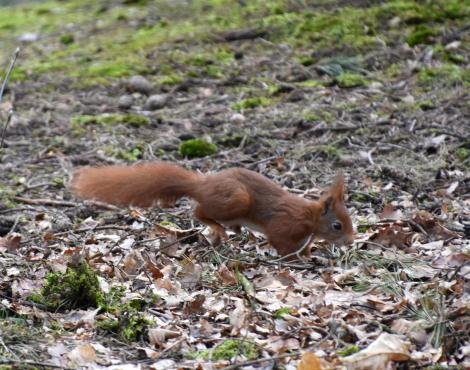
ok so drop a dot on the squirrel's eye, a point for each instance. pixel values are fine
(337, 225)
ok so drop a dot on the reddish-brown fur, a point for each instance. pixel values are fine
(234, 197)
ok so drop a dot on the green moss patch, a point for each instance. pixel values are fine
(132, 154)
(443, 75)
(462, 153)
(226, 351)
(311, 84)
(111, 69)
(281, 312)
(67, 39)
(170, 79)
(348, 351)
(197, 148)
(251, 103)
(7, 195)
(130, 327)
(232, 347)
(349, 80)
(111, 119)
(124, 318)
(421, 35)
(78, 287)
(329, 151)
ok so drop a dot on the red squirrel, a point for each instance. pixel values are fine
(234, 197)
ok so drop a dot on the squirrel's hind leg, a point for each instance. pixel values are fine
(217, 230)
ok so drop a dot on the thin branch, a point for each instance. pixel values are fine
(7, 76)
(4, 131)
(20, 363)
(2, 90)
(54, 202)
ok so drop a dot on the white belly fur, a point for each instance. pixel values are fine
(244, 223)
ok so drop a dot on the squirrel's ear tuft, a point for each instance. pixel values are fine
(337, 188)
(326, 204)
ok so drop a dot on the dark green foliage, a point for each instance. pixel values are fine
(421, 35)
(249, 103)
(197, 148)
(110, 119)
(67, 39)
(78, 287)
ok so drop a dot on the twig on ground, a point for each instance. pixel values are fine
(4, 130)
(2, 90)
(96, 228)
(15, 224)
(19, 209)
(246, 34)
(7, 75)
(45, 202)
(63, 203)
(83, 230)
(21, 363)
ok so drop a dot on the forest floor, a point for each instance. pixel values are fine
(295, 90)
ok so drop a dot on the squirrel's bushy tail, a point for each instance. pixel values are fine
(141, 185)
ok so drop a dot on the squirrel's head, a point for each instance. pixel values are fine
(334, 223)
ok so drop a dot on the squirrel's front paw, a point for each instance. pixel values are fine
(217, 236)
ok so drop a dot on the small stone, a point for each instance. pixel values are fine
(28, 37)
(295, 96)
(375, 85)
(453, 45)
(408, 99)
(139, 84)
(394, 22)
(61, 222)
(125, 101)
(155, 102)
(237, 118)
(63, 108)
(206, 92)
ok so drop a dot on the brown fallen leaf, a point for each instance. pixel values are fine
(393, 235)
(227, 276)
(82, 355)
(10, 243)
(238, 317)
(154, 270)
(452, 260)
(414, 330)
(434, 229)
(159, 336)
(206, 327)
(378, 355)
(309, 362)
(390, 213)
(287, 278)
(280, 345)
(49, 236)
(132, 263)
(166, 284)
(190, 275)
(195, 306)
